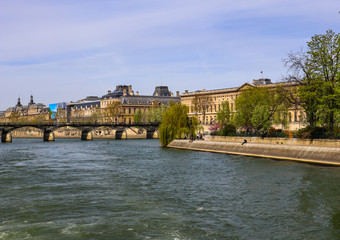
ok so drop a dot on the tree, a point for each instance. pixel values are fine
(152, 115)
(318, 72)
(324, 60)
(113, 111)
(61, 115)
(201, 104)
(155, 114)
(14, 117)
(176, 123)
(224, 114)
(96, 115)
(138, 117)
(256, 107)
(261, 118)
(77, 115)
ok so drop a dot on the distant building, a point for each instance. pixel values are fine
(204, 104)
(262, 81)
(131, 102)
(29, 111)
(128, 102)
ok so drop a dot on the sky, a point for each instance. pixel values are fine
(66, 50)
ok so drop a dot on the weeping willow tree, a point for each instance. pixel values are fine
(176, 124)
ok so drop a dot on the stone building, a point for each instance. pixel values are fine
(123, 103)
(28, 112)
(206, 103)
(131, 102)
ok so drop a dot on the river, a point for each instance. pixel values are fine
(135, 189)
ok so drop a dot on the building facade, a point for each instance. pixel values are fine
(29, 112)
(120, 105)
(204, 104)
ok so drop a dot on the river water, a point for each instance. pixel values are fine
(134, 189)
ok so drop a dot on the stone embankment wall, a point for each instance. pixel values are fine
(301, 153)
(290, 141)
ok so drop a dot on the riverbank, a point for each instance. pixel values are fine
(300, 153)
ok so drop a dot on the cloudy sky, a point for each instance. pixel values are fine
(65, 50)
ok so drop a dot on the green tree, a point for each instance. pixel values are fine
(138, 117)
(152, 115)
(261, 118)
(256, 107)
(155, 114)
(318, 71)
(224, 114)
(176, 123)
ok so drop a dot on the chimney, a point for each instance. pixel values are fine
(171, 94)
(177, 93)
(130, 90)
(203, 89)
(109, 91)
(137, 93)
(186, 91)
(124, 92)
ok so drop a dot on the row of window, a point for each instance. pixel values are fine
(210, 108)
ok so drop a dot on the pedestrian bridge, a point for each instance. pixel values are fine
(87, 129)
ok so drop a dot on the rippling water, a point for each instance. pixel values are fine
(134, 189)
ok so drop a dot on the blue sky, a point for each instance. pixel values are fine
(66, 50)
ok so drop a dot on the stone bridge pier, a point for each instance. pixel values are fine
(151, 133)
(6, 137)
(121, 134)
(48, 135)
(86, 135)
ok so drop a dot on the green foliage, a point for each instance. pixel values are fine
(224, 114)
(310, 132)
(256, 106)
(176, 124)
(318, 70)
(277, 133)
(260, 118)
(227, 130)
(153, 115)
(156, 114)
(138, 117)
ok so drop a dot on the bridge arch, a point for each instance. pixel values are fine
(120, 131)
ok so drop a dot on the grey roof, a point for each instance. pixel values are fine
(89, 99)
(115, 94)
(140, 99)
(87, 104)
(162, 91)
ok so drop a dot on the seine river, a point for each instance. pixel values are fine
(134, 189)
